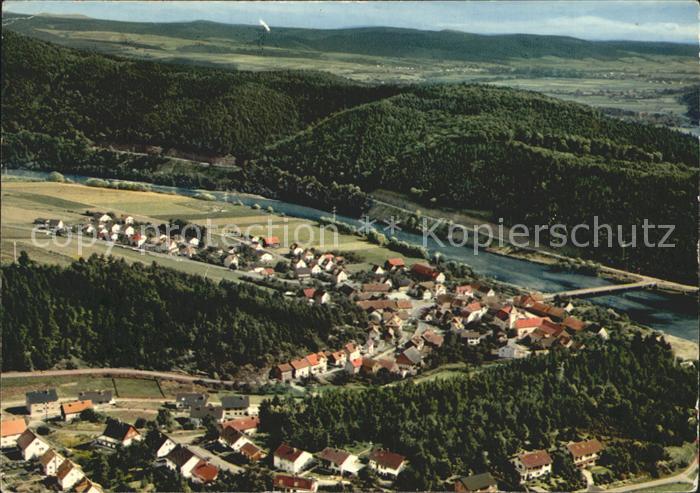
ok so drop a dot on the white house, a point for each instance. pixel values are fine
(291, 459)
(128, 231)
(87, 486)
(531, 465)
(165, 446)
(182, 460)
(10, 431)
(339, 461)
(386, 463)
(51, 461)
(68, 474)
(233, 439)
(513, 351)
(339, 276)
(118, 434)
(31, 446)
(301, 367)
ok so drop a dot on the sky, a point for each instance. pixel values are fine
(639, 20)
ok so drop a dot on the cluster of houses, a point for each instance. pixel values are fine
(306, 263)
(538, 463)
(63, 473)
(293, 461)
(349, 358)
(45, 405)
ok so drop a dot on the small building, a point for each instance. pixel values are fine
(483, 482)
(118, 434)
(393, 264)
(271, 242)
(352, 366)
(182, 460)
(317, 362)
(294, 484)
(72, 410)
(252, 452)
(513, 351)
(338, 358)
(585, 453)
(190, 400)
(291, 459)
(204, 472)
(248, 425)
(68, 474)
(351, 351)
(200, 412)
(87, 486)
(232, 438)
(164, 446)
(98, 397)
(31, 446)
(235, 405)
(427, 273)
(50, 462)
(531, 465)
(43, 404)
(338, 460)
(386, 463)
(410, 358)
(10, 431)
(283, 372)
(302, 368)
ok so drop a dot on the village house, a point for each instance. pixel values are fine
(379, 287)
(200, 412)
(338, 358)
(339, 276)
(190, 399)
(409, 359)
(298, 264)
(505, 317)
(513, 350)
(464, 290)
(87, 486)
(476, 483)
(394, 264)
(43, 404)
(338, 461)
(252, 452)
(68, 474)
(526, 326)
(531, 465)
(164, 446)
(351, 351)
(302, 368)
(432, 339)
(72, 410)
(232, 261)
(471, 337)
(386, 463)
(235, 406)
(427, 273)
(50, 462)
(473, 312)
(204, 472)
(232, 438)
(294, 484)
(283, 372)
(248, 425)
(98, 397)
(31, 446)
(317, 362)
(271, 242)
(118, 434)
(181, 460)
(291, 459)
(321, 297)
(353, 366)
(10, 431)
(295, 250)
(585, 453)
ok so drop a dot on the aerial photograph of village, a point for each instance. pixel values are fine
(349, 246)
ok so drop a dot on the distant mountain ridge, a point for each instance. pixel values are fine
(372, 41)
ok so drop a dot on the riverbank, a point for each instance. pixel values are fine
(683, 348)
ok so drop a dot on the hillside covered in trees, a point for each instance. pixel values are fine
(109, 313)
(315, 138)
(631, 391)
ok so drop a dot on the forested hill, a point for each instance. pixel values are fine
(59, 91)
(373, 41)
(523, 156)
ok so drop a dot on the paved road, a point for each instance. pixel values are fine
(178, 377)
(682, 477)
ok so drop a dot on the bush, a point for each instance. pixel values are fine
(43, 430)
(57, 177)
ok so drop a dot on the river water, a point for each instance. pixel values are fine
(671, 313)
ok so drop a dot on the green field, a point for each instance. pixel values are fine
(24, 201)
(13, 389)
(137, 388)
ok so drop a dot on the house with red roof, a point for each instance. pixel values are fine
(353, 366)
(394, 264)
(317, 362)
(585, 453)
(252, 452)
(473, 312)
(427, 273)
(72, 410)
(386, 463)
(10, 431)
(338, 461)
(293, 484)
(302, 368)
(271, 242)
(525, 326)
(204, 472)
(248, 425)
(531, 465)
(283, 372)
(291, 459)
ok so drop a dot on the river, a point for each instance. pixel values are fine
(674, 314)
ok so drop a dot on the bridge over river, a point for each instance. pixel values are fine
(597, 290)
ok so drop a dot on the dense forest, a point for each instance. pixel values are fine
(106, 312)
(631, 391)
(315, 139)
